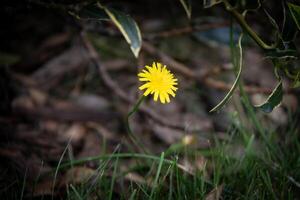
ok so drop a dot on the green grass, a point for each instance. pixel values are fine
(248, 165)
(251, 163)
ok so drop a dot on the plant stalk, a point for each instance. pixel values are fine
(129, 131)
(241, 20)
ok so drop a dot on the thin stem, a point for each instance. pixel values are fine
(135, 107)
(129, 131)
(241, 20)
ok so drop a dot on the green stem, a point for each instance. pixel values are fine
(135, 107)
(131, 112)
(241, 20)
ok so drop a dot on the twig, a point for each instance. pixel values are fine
(177, 66)
(220, 85)
(118, 91)
(73, 113)
(241, 20)
(185, 30)
(203, 78)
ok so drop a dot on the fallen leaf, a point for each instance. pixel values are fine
(75, 132)
(166, 134)
(43, 188)
(215, 194)
(38, 96)
(77, 175)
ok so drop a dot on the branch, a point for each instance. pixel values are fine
(203, 78)
(241, 20)
(186, 30)
(110, 83)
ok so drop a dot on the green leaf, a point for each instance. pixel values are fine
(273, 100)
(210, 3)
(282, 54)
(295, 11)
(272, 20)
(296, 83)
(285, 46)
(124, 23)
(186, 4)
(229, 94)
(289, 28)
(91, 11)
(128, 28)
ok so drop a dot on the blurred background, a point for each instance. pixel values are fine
(61, 104)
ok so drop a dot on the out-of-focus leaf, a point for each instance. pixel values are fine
(285, 46)
(186, 4)
(295, 11)
(272, 20)
(124, 23)
(229, 94)
(209, 3)
(289, 29)
(273, 100)
(250, 5)
(8, 59)
(43, 188)
(77, 175)
(282, 54)
(91, 11)
(296, 83)
(286, 49)
(128, 28)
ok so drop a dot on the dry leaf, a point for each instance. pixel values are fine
(75, 132)
(43, 188)
(166, 134)
(215, 194)
(38, 96)
(77, 175)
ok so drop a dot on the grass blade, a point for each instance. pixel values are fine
(113, 178)
(157, 173)
(229, 94)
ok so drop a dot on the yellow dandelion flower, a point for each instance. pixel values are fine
(159, 81)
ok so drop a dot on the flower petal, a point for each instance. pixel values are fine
(156, 96)
(143, 74)
(144, 86)
(147, 92)
(144, 79)
(171, 93)
(162, 98)
(167, 98)
(154, 65)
